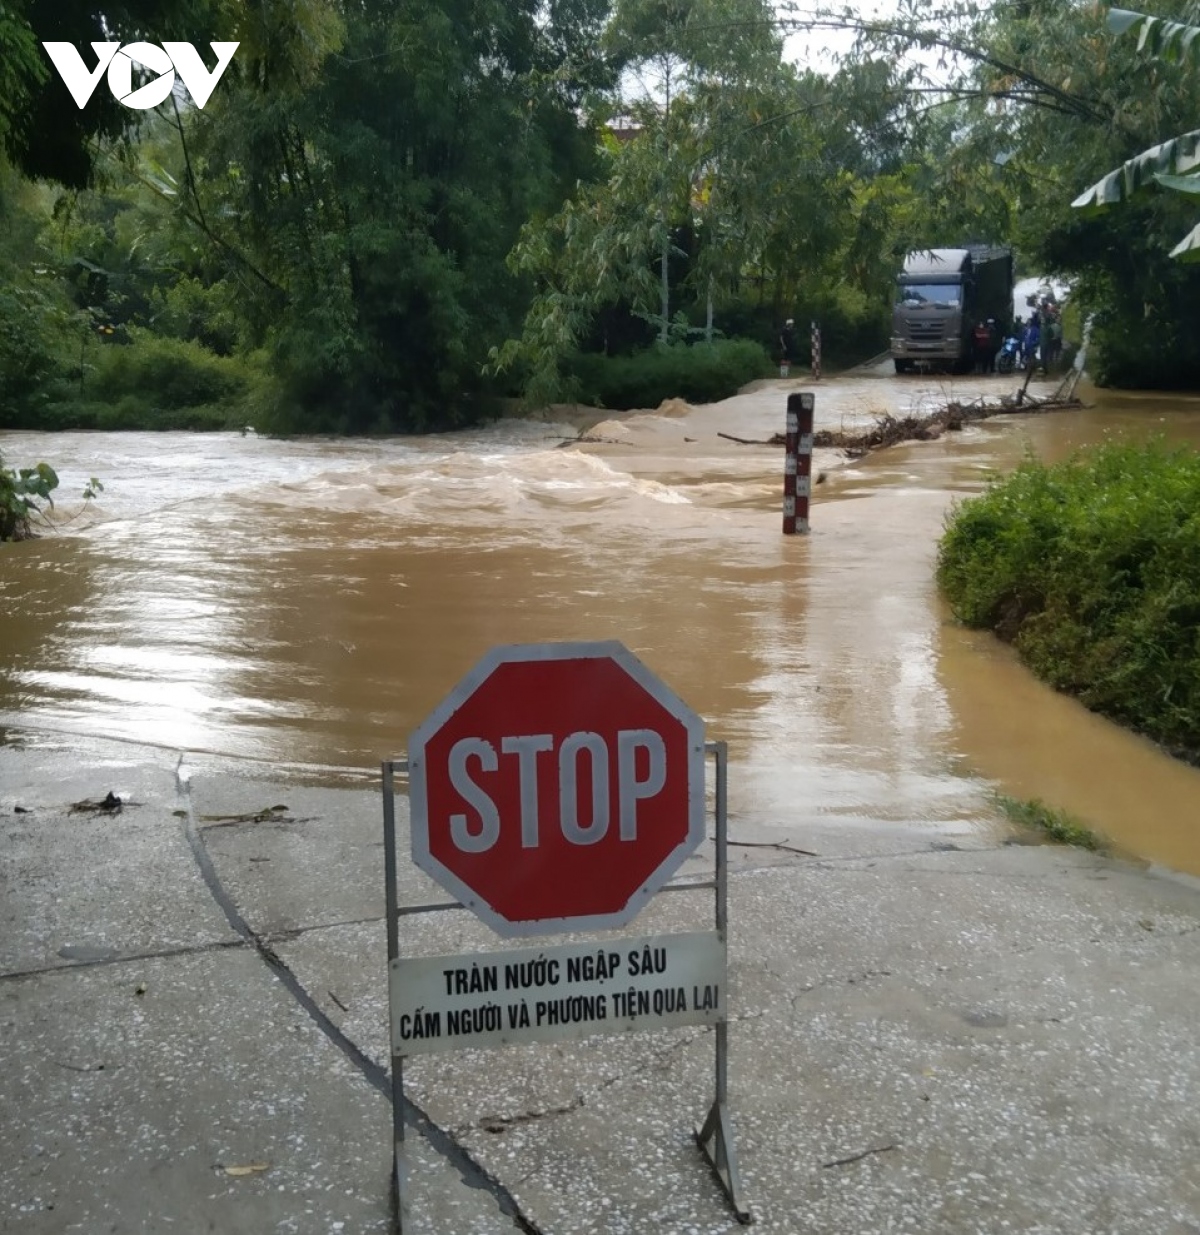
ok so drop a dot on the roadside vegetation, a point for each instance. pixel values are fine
(1091, 569)
(1054, 825)
(26, 498)
(23, 492)
(701, 373)
(393, 218)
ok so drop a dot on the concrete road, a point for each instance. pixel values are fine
(932, 1033)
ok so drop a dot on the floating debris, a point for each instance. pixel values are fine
(889, 430)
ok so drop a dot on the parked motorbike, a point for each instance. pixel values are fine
(1009, 355)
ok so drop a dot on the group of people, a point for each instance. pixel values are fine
(1035, 341)
(1041, 337)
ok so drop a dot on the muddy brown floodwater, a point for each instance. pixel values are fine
(304, 604)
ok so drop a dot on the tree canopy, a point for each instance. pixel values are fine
(391, 215)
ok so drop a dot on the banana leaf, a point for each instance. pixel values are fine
(1175, 157)
(1188, 249)
(1157, 36)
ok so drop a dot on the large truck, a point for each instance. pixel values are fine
(941, 295)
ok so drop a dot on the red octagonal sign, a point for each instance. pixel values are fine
(557, 787)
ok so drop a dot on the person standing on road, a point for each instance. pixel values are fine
(787, 346)
(981, 346)
(1052, 340)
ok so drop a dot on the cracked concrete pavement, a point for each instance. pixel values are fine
(930, 1032)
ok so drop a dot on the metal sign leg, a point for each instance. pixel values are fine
(715, 1138)
(399, 1164)
(393, 947)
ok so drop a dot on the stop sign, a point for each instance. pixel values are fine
(557, 787)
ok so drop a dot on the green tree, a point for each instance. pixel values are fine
(373, 198)
(700, 51)
(741, 186)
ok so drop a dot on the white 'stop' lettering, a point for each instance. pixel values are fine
(583, 758)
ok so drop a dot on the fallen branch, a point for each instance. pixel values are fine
(497, 1124)
(866, 1153)
(776, 439)
(772, 844)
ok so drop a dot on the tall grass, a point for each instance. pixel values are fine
(1054, 825)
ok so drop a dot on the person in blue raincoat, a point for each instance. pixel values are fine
(1032, 339)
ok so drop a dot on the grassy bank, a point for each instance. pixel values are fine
(1054, 825)
(1091, 568)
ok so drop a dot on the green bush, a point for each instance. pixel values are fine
(24, 493)
(163, 373)
(1091, 568)
(151, 383)
(699, 373)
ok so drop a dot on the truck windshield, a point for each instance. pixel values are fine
(948, 295)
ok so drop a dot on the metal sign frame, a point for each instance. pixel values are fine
(714, 1136)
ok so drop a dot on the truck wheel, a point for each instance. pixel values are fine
(904, 366)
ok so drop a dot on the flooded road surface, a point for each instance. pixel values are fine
(305, 604)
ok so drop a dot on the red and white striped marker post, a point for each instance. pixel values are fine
(816, 352)
(797, 467)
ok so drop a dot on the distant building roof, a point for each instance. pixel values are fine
(624, 128)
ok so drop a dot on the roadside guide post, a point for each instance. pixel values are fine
(797, 464)
(558, 788)
(816, 351)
